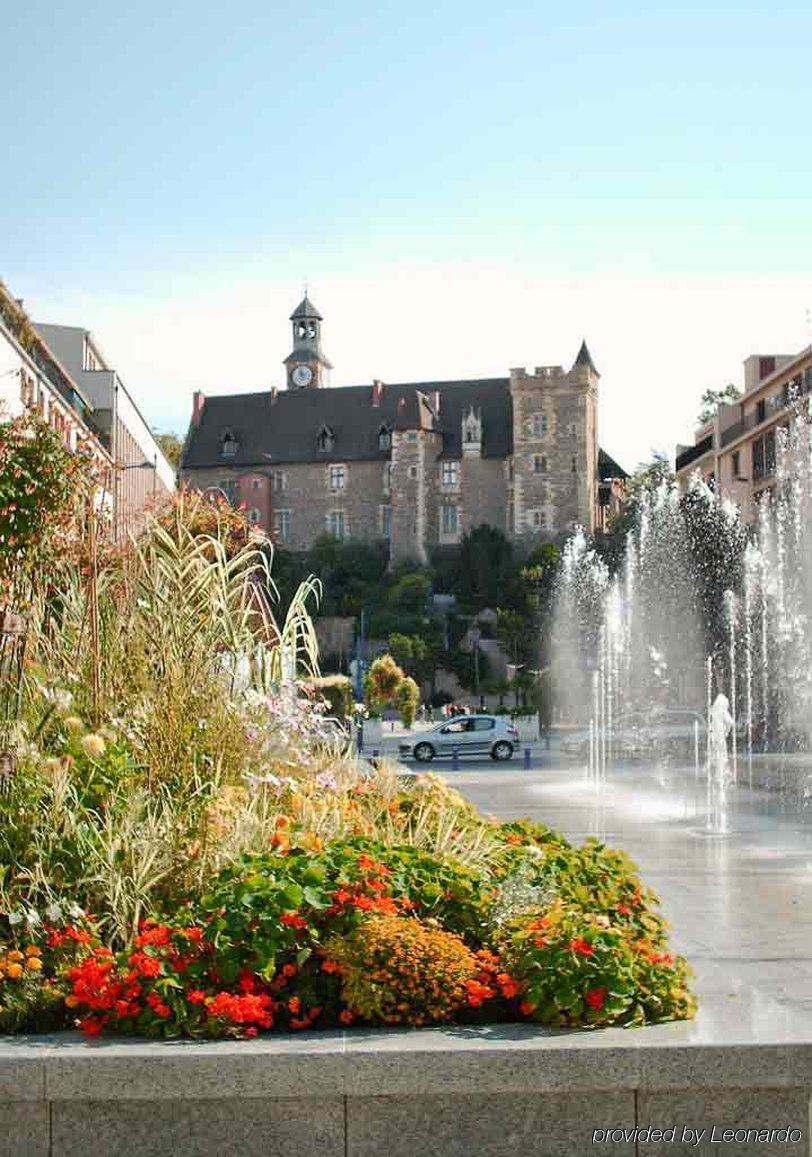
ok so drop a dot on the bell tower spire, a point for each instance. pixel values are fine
(306, 366)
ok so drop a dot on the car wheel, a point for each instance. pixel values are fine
(424, 753)
(502, 750)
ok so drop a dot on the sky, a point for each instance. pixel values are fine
(465, 187)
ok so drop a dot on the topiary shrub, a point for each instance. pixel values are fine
(407, 699)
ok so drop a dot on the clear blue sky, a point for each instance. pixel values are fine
(147, 146)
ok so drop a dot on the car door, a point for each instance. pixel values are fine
(482, 735)
(449, 736)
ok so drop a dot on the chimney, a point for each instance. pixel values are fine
(377, 391)
(274, 392)
(435, 402)
(198, 404)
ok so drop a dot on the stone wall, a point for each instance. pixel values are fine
(480, 1091)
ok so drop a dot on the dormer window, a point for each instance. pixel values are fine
(229, 444)
(384, 438)
(325, 440)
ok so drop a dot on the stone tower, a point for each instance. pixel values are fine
(555, 448)
(306, 366)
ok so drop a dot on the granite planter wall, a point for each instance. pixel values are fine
(496, 1091)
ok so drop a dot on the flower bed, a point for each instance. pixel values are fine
(187, 851)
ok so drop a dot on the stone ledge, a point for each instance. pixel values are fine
(488, 1059)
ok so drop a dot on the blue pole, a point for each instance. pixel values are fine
(455, 759)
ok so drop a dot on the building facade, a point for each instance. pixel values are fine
(736, 451)
(33, 378)
(143, 477)
(417, 464)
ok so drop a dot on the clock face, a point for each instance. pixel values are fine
(302, 375)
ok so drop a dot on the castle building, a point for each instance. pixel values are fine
(417, 464)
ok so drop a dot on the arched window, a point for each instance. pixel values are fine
(384, 438)
(253, 516)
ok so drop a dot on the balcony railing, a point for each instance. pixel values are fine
(693, 452)
(798, 387)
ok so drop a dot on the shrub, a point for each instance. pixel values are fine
(407, 698)
(337, 690)
(398, 970)
(580, 970)
(383, 680)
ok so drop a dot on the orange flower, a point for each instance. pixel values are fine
(295, 1005)
(346, 1016)
(526, 1008)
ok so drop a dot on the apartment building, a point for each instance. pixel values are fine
(143, 476)
(32, 377)
(736, 451)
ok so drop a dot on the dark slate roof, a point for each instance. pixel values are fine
(585, 358)
(608, 468)
(281, 428)
(306, 308)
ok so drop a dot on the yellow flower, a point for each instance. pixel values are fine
(34, 964)
(93, 745)
(15, 971)
(33, 950)
(15, 955)
(71, 1001)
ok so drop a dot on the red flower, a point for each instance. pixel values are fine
(330, 966)
(145, 965)
(157, 934)
(196, 996)
(158, 1006)
(596, 998)
(92, 1025)
(582, 947)
(661, 958)
(526, 1008)
(252, 1031)
(508, 985)
(293, 920)
(347, 1016)
(624, 910)
(295, 1005)
(193, 934)
(477, 993)
(289, 970)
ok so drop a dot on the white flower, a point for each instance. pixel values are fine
(62, 699)
(75, 912)
(53, 912)
(15, 918)
(31, 918)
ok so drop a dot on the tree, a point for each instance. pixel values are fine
(407, 699)
(647, 478)
(171, 445)
(712, 399)
(382, 682)
(485, 568)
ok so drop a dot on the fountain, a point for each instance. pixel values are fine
(703, 615)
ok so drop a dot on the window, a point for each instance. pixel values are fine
(386, 521)
(449, 520)
(387, 478)
(735, 464)
(338, 477)
(539, 464)
(228, 444)
(758, 459)
(537, 519)
(325, 440)
(761, 410)
(281, 525)
(574, 464)
(231, 489)
(412, 471)
(411, 436)
(336, 524)
(256, 483)
(480, 724)
(539, 425)
(450, 474)
(253, 516)
(384, 438)
(280, 480)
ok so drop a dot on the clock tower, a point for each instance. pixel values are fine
(306, 366)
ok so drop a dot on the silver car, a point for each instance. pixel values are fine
(491, 735)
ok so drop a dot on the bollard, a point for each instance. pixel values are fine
(375, 753)
(455, 759)
(527, 759)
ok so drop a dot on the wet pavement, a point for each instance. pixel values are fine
(740, 904)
